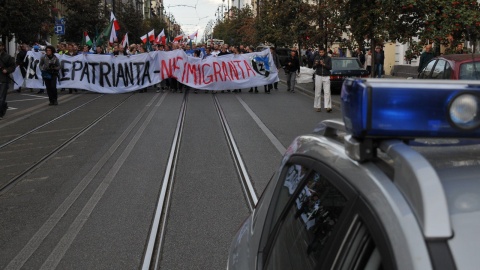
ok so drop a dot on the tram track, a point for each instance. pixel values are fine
(12, 181)
(154, 246)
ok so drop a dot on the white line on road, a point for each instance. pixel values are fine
(263, 127)
(52, 221)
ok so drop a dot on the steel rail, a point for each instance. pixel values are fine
(242, 172)
(7, 186)
(47, 123)
(153, 249)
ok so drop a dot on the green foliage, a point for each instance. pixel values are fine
(28, 20)
(238, 28)
(84, 15)
(131, 21)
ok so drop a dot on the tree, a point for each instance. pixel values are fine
(30, 21)
(131, 21)
(238, 28)
(84, 15)
(448, 22)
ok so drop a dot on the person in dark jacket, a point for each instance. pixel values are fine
(50, 65)
(7, 66)
(425, 57)
(276, 61)
(379, 60)
(322, 65)
(292, 69)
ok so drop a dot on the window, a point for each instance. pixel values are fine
(469, 71)
(439, 70)
(425, 74)
(360, 251)
(307, 210)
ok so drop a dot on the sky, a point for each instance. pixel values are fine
(194, 15)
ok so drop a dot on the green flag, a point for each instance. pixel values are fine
(104, 36)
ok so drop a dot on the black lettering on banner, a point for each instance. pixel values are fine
(146, 73)
(129, 73)
(114, 75)
(94, 70)
(74, 68)
(121, 74)
(85, 72)
(64, 70)
(33, 64)
(138, 67)
(104, 74)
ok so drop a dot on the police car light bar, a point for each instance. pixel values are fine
(383, 108)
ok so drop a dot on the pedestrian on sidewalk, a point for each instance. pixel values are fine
(7, 66)
(322, 66)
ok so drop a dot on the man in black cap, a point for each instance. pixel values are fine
(7, 66)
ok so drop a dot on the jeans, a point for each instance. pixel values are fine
(291, 81)
(379, 70)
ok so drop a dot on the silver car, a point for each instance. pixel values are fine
(395, 184)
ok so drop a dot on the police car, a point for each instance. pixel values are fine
(395, 185)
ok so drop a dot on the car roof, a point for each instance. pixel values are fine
(461, 57)
(448, 205)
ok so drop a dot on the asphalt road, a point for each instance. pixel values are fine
(90, 204)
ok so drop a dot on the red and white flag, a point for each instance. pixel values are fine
(151, 35)
(144, 38)
(116, 25)
(159, 37)
(125, 42)
(178, 38)
(194, 35)
(113, 35)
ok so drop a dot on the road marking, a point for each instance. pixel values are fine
(263, 127)
(11, 108)
(52, 221)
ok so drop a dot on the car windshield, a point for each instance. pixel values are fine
(470, 71)
(345, 64)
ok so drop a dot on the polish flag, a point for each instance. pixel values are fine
(159, 37)
(116, 25)
(113, 36)
(144, 38)
(151, 35)
(125, 42)
(194, 35)
(178, 38)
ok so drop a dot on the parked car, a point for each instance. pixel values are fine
(453, 67)
(345, 67)
(394, 185)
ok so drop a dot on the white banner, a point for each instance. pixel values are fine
(120, 74)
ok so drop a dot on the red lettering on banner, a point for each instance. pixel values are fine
(240, 67)
(249, 69)
(191, 70)
(184, 71)
(166, 70)
(225, 71)
(233, 70)
(209, 76)
(175, 66)
(217, 70)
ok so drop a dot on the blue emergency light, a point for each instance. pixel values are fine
(382, 108)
